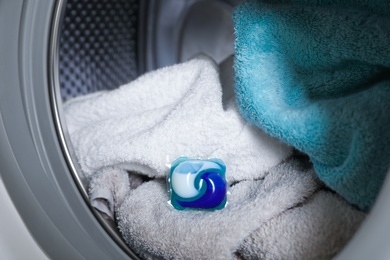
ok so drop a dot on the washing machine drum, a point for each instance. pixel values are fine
(56, 50)
(106, 44)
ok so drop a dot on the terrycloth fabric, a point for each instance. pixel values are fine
(316, 75)
(173, 234)
(318, 229)
(142, 122)
(265, 219)
(172, 112)
(108, 188)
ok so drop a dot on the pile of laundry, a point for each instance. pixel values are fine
(303, 136)
(125, 140)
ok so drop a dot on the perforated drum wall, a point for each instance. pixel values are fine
(98, 46)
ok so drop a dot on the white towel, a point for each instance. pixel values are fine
(283, 216)
(317, 229)
(121, 136)
(172, 112)
(154, 229)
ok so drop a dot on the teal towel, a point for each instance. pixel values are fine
(316, 75)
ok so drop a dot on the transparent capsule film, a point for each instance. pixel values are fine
(197, 184)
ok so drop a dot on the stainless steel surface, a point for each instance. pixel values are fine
(60, 125)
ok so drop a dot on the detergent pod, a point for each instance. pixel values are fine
(197, 184)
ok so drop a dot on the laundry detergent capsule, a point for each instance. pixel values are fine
(198, 184)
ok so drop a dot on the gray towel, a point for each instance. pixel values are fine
(317, 229)
(286, 215)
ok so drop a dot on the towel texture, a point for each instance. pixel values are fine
(172, 112)
(210, 235)
(316, 75)
(122, 139)
(256, 224)
(318, 229)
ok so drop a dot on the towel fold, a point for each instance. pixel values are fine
(317, 229)
(316, 75)
(172, 234)
(265, 219)
(172, 112)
